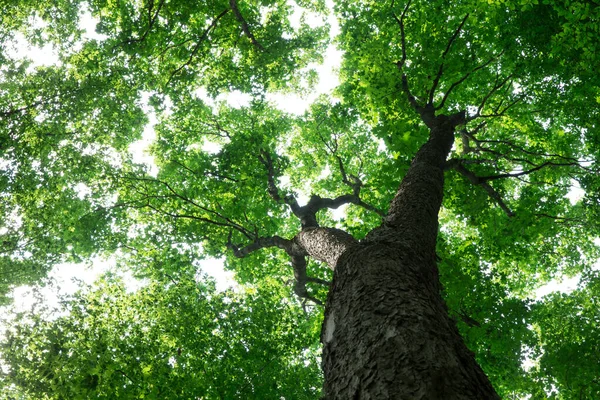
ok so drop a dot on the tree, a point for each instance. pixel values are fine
(184, 340)
(485, 114)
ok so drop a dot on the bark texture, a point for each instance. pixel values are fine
(325, 244)
(387, 333)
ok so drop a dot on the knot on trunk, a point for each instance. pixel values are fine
(325, 244)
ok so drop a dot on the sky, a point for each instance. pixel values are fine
(67, 277)
(63, 274)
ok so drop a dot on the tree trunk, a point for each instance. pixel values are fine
(387, 333)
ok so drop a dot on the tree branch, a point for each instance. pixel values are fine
(266, 159)
(503, 112)
(299, 265)
(298, 258)
(318, 280)
(151, 21)
(206, 173)
(318, 203)
(497, 85)
(400, 64)
(260, 243)
(174, 194)
(349, 180)
(245, 27)
(239, 228)
(400, 22)
(436, 80)
(204, 36)
(562, 220)
(572, 160)
(527, 172)
(461, 80)
(475, 180)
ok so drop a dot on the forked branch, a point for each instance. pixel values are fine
(141, 185)
(400, 64)
(454, 85)
(400, 22)
(297, 255)
(299, 265)
(350, 180)
(436, 80)
(152, 17)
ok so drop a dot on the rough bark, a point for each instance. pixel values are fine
(387, 333)
(325, 244)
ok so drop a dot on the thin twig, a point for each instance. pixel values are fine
(245, 27)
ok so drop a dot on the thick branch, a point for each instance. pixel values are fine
(298, 257)
(325, 244)
(260, 243)
(318, 280)
(318, 203)
(299, 265)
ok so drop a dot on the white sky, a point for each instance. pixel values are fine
(63, 274)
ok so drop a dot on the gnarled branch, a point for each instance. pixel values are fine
(349, 180)
(299, 265)
(260, 243)
(272, 172)
(297, 255)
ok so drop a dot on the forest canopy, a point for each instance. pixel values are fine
(283, 197)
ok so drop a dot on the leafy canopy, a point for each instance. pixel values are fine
(524, 71)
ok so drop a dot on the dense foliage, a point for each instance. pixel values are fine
(227, 177)
(170, 339)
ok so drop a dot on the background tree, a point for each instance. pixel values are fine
(174, 338)
(517, 91)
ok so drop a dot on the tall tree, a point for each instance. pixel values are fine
(486, 116)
